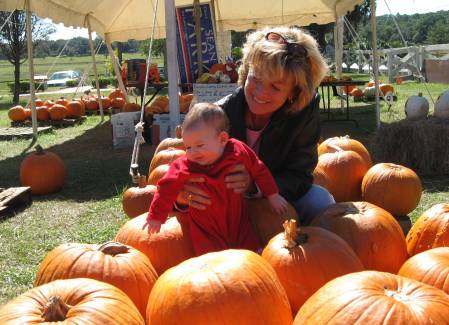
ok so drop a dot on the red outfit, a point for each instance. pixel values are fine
(225, 223)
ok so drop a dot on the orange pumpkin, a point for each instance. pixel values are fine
(105, 103)
(91, 104)
(430, 230)
(43, 171)
(289, 254)
(345, 171)
(137, 200)
(122, 266)
(217, 67)
(17, 114)
(74, 109)
(373, 233)
(49, 103)
(165, 249)
(386, 88)
(345, 143)
(163, 157)
(320, 177)
(27, 113)
(57, 112)
(356, 92)
(131, 107)
(157, 174)
(375, 298)
(62, 101)
(42, 113)
(430, 267)
(393, 187)
(118, 102)
(170, 143)
(117, 93)
(227, 287)
(74, 301)
(267, 223)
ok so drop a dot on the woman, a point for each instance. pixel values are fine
(276, 112)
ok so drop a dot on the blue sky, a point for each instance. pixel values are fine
(396, 6)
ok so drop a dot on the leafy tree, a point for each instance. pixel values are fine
(13, 41)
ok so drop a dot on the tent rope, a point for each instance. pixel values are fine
(83, 78)
(134, 166)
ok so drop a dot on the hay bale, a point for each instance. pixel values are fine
(420, 145)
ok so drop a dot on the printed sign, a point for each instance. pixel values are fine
(186, 38)
(123, 132)
(211, 93)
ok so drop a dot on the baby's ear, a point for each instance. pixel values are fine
(223, 137)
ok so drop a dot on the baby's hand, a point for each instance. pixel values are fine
(154, 226)
(278, 203)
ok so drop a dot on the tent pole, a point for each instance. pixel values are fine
(338, 40)
(31, 68)
(375, 59)
(199, 45)
(92, 51)
(121, 86)
(172, 64)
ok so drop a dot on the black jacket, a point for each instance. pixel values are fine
(288, 145)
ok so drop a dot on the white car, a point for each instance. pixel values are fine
(60, 78)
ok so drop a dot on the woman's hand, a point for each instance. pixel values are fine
(239, 180)
(193, 196)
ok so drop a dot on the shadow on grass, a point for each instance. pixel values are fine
(94, 169)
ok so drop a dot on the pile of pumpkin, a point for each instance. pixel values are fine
(369, 91)
(352, 265)
(161, 104)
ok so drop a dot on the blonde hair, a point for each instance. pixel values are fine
(268, 59)
(208, 113)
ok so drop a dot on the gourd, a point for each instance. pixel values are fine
(416, 107)
(442, 106)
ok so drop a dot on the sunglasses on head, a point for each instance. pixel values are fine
(294, 50)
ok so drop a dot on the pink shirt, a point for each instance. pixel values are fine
(253, 139)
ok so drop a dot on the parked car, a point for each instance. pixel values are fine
(60, 78)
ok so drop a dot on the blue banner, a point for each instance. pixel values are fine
(186, 38)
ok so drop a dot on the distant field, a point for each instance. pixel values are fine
(51, 64)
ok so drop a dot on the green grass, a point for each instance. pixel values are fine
(88, 208)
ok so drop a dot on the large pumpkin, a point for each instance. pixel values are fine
(375, 298)
(177, 143)
(137, 199)
(431, 267)
(42, 113)
(122, 266)
(267, 223)
(345, 143)
(228, 287)
(345, 171)
(393, 187)
(167, 248)
(74, 301)
(57, 112)
(75, 109)
(320, 177)
(117, 93)
(373, 233)
(297, 256)
(416, 107)
(163, 157)
(430, 230)
(157, 174)
(43, 171)
(17, 114)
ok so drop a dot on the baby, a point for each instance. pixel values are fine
(211, 154)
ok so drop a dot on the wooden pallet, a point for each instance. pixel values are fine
(22, 132)
(14, 198)
(57, 124)
(97, 112)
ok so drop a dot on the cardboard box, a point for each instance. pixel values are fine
(123, 129)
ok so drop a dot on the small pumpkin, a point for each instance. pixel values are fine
(137, 199)
(73, 301)
(42, 113)
(122, 266)
(430, 267)
(375, 298)
(430, 230)
(392, 187)
(91, 104)
(165, 249)
(356, 92)
(416, 107)
(441, 109)
(289, 254)
(227, 287)
(62, 101)
(386, 88)
(373, 233)
(43, 171)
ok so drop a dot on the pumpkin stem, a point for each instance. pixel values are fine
(352, 209)
(335, 147)
(39, 149)
(113, 248)
(142, 181)
(55, 310)
(293, 234)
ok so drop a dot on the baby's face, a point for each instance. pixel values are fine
(204, 145)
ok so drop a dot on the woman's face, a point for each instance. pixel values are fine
(264, 95)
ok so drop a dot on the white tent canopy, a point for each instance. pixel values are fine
(132, 19)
